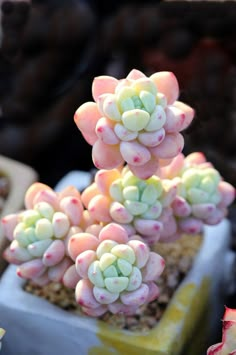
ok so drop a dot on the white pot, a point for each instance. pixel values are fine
(36, 327)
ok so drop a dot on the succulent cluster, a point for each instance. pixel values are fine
(100, 242)
(202, 195)
(116, 273)
(135, 120)
(39, 234)
(228, 344)
(138, 205)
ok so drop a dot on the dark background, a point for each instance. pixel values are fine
(51, 50)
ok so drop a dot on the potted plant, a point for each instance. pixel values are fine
(105, 242)
(15, 179)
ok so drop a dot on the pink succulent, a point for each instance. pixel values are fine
(116, 274)
(136, 120)
(202, 195)
(138, 205)
(228, 344)
(39, 234)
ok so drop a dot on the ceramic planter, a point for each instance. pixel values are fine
(35, 326)
(20, 177)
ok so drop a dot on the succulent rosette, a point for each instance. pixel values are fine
(138, 205)
(228, 344)
(39, 234)
(2, 332)
(116, 274)
(136, 120)
(202, 196)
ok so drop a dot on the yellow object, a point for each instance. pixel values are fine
(175, 329)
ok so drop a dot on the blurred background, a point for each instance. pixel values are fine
(50, 51)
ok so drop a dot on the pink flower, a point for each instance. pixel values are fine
(136, 120)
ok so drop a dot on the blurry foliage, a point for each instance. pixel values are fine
(52, 49)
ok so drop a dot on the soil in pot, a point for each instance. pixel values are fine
(179, 257)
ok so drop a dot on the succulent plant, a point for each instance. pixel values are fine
(202, 195)
(136, 120)
(2, 332)
(116, 273)
(40, 233)
(228, 344)
(122, 197)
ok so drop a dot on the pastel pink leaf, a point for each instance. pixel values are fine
(227, 192)
(148, 227)
(54, 254)
(89, 193)
(56, 273)
(94, 229)
(119, 213)
(73, 208)
(10, 257)
(71, 277)
(169, 229)
(188, 111)
(203, 210)
(171, 170)
(103, 84)
(134, 153)
(86, 118)
(152, 139)
(8, 224)
(69, 191)
(181, 207)
(41, 280)
(146, 170)
(171, 146)
(99, 208)
(32, 191)
(153, 268)
(195, 158)
(104, 179)
(175, 120)
(95, 312)
(114, 232)
(216, 218)
(137, 297)
(167, 84)
(141, 251)
(191, 225)
(154, 291)
(106, 156)
(47, 195)
(135, 74)
(169, 193)
(31, 269)
(18, 252)
(105, 131)
(83, 262)
(81, 242)
(84, 294)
